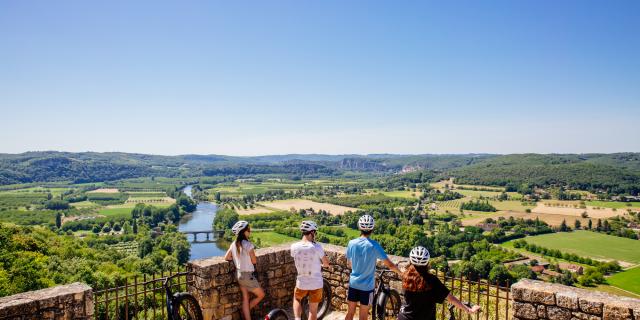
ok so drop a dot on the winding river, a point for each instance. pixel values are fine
(202, 219)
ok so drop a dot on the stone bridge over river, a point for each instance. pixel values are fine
(213, 284)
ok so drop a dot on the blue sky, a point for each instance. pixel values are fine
(273, 77)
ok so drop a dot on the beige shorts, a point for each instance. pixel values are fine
(247, 280)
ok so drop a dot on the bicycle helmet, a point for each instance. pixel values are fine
(366, 223)
(239, 226)
(419, 256)
(306, 226)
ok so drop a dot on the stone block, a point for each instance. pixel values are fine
(590, 306)
(542, 311)
(525, 310)
(583, 316)
(555, 313)
(568, 300)
(617, 312)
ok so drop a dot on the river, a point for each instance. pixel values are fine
(202, 219)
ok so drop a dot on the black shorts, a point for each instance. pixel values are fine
(364, 297)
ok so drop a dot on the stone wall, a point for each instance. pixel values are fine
(216, 288)
(540, 300)
(70, 302)
(338, 275)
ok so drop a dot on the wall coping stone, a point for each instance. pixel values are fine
(601, 304)
(34, 302)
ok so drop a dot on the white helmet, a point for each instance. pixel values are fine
(239, 226)
(308, 226)
(366, 223)
(419, 256)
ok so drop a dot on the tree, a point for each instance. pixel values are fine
(126, 228)
(577, 224)
(56, 205)
(134, 227)
(563, 226)
(499, 274)
(590, 225)
(599, 225)
(96, 229)
(116, 227)
(58, 220)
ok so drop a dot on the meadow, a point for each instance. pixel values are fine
(298, 204)
(590, 244)
(270, 238)
(613, 205)
(628, 280)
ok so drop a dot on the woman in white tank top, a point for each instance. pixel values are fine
(242, 253)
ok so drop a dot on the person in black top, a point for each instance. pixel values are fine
(422, 290)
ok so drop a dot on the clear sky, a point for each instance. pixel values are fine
(273, 77)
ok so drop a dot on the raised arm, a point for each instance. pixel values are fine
(392, 266)
(458, 304)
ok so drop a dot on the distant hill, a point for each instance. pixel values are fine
(618, 172)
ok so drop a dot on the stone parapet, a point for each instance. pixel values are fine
(540, 300)
(69, 302)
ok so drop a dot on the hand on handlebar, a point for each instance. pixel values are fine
(474, 309)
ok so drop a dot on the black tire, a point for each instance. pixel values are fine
(391, 305)
(323, 307)
(277, 314)
(186, 307)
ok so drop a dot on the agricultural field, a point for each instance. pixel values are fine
(298, 204)
(256, 210)
(478, 194)
(105, 190)
(510, 205)
(591, 244)
(452, 204)
(269, 238)
(472, 219)
(569, 208)
(115, 211)
(628, 280)
(401, 194)
(84, 205)
(614, 205)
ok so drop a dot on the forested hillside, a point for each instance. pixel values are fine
(613, 173)
(584, 172)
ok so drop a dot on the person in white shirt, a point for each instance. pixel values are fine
(242, 253)
(309, 258)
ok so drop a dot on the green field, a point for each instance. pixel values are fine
(510, 205)
(451, 204)
(116, 212)
(401, 194)
(84, 204)
(612, 204)
(590, 244)
(628, 280)
(269, 238)
(478, 194)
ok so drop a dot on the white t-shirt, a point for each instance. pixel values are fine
(308, 258)
(242, 260)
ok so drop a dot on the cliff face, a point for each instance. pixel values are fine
(360, 164)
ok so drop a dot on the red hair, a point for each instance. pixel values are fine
(415, 279)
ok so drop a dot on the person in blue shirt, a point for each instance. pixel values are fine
(362, 255)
